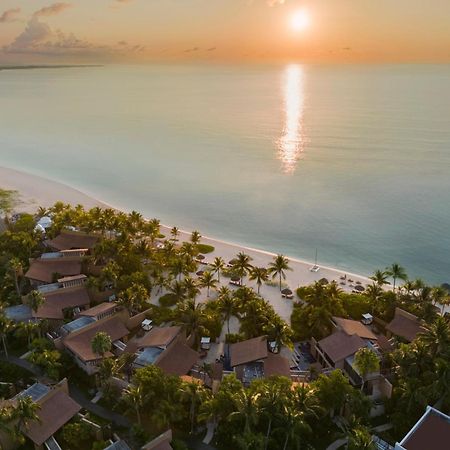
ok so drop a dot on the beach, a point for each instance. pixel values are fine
(36, 191)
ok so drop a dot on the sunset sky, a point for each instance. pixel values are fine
(37, 31)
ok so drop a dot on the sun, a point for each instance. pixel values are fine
(300, 20)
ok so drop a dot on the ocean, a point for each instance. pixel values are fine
(351, 160)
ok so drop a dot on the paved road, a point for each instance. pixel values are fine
(98, 410)
(23, 363)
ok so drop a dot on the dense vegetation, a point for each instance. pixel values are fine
(269, 414)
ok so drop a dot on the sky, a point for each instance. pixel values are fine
(87, 31)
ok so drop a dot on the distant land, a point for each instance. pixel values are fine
(60, 66)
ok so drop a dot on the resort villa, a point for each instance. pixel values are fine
(46, 270)
(73, 240)
(76, 336)
(338, 350)
(431, 432)
(56, 408)
(252, 359)
(166, 348)
(404, 326)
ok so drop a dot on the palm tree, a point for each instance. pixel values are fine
(374, 292)
(6, 417)
(133, 297)
(366, 361)
(191, 288)
(35, 300)
(359, 438)
(439, 295)
(15, 266)
(271, 403)
(293, 425)
(175, 232)
(397, 272)
(278, 267)
(179, 268)
(101, 343)
(380, 277)
(246, 408)
(260, 275)
(6, 326)
(134, 397)
(195, 237)
(242, 264)
(227, 307)
(217, 266)
(26, 411)
(195, 394)
(279, 332)
(191, 317)
(437, 337)
(208, 281)
(28, 329)
(178, 290)
(107, 369)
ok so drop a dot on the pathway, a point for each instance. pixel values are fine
(98, 410)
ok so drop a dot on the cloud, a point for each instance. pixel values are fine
(39, 38)
(9, 15)
(276, 2)
(52, 10)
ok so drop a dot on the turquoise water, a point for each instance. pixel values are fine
(351, 160)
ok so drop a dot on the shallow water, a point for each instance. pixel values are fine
(352, 160)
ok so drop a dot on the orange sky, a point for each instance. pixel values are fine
(33, 31)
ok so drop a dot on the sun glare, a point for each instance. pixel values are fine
(300, 20)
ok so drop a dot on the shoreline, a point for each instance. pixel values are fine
(38, 191)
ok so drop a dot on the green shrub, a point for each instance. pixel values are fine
(232, 338)
(356, 305)
(160, 315)
(168, 300)
(204, 248)
(75, 432)
(177, 444)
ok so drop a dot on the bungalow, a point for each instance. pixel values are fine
(251, 359)
(161, 442)
(432, 431)
(337, 351)
(100, 311)
(47, 270)
(166, 348)
(78, 338)
(404, 325)
(61, 300)
(56, 409)
(71, 240)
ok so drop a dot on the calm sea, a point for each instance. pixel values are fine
(351, 160)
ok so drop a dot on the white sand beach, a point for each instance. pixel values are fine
(36, 191)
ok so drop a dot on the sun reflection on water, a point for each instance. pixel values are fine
(291, 143)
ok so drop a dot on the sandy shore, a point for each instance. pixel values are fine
(37, 191)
